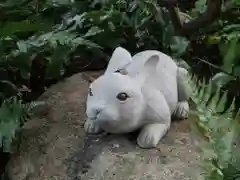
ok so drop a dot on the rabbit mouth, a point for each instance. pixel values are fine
(116, 127)
(92, 118)
(109, 126)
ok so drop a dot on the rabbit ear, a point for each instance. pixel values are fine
(151, 64)
(119, 60)
(149, 70)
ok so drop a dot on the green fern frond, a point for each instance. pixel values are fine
(218, 125)
(13, 114)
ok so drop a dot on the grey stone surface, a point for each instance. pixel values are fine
(55, 147)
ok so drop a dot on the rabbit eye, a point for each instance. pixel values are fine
(122, 96)
(90, 92)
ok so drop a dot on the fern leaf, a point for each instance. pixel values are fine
(214, 100)
(220, 106)
(13, 113)
(220, 127)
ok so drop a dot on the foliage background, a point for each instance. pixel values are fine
(42, 42)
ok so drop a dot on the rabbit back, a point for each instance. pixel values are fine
(165, 77)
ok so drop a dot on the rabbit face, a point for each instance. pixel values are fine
(116, 102)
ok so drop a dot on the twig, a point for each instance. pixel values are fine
(216, 67)
(187, 29)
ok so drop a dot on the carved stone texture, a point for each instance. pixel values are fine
(55, 147)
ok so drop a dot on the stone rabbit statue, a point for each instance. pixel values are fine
(142, 91)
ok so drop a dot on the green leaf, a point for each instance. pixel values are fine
(221, 79)
(22, 62)
(208, 92)
(183, 64)
(229, 56)
(214, 100)
(93, 31)
(222, 103)
(179, 45)
(80, 41)
(56, 62)
(22, 46)
(21, 26)
(8, 88)
(12, 114)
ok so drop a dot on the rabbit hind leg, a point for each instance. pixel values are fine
(182, 109)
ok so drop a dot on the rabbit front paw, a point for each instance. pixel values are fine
(91, 127)
(151, 134)
(182, 110)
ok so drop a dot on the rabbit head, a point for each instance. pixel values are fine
(115, 99)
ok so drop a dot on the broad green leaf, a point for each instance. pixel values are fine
(183, 64)
(22, 46)
(179, 45)
(220, 79)
(93, 31)
(229, 57)
(21, 26)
